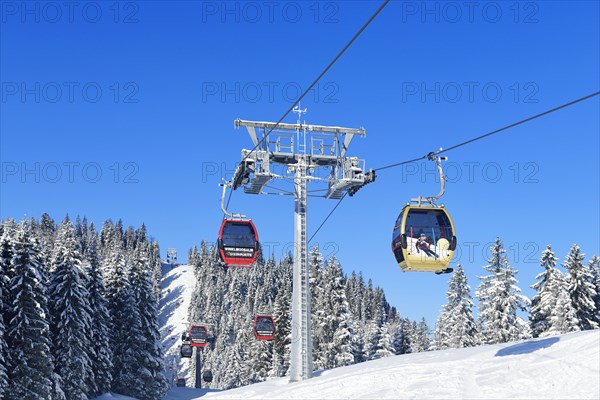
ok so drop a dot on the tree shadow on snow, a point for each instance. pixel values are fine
(527, 347)
(318, 373)
(166, 282)
(187, 393)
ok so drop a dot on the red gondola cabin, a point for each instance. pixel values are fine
(238, 242)
(264, 327)
(198, 335)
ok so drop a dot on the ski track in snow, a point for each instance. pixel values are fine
(177, 286)
(557, 367)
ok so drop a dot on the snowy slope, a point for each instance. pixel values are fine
(177, 287)
(560, 367)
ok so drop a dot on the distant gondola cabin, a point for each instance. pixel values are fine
(186, 350)
(264, 327)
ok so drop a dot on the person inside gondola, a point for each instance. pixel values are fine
(423, 245)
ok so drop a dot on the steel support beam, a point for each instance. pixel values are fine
(301, 362)
(198, 384)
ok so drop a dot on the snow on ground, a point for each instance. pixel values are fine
(559, 367)
(113, 396)
(177, 286)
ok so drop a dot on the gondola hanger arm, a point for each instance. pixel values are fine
(225, 185)
(433, 156)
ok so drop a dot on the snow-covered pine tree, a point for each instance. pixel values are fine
(402, 337)
(30, 362)
(385, 346)
(442, 335)
(47, 233)
(594, 267)
(125, 321)
(81, 234)
(581, 289)
(353, 293)
(367, 303)
(359, 347)
(202, 259)
(6, 232)
(233, 376)
(499, 301)
(84, 235)
(154, 266)
(374, 331)
(562, 317)
(421, 340)
(126, 335)
(193, 255)
(456, 326)
(380, 306)
(149, 364)
(483, 292)
(70, 316)
(120, 233)
(261, 360)
(34, 228)
(107, 239)
(318, 309)
(283, 331)
(338, 331)
(101, 352)
(541, 303)
(130, 240)
(371, 334)
(249, 374)
(355, 290)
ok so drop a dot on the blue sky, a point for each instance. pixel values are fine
(127, 112)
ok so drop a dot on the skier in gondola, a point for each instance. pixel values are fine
(423, 245)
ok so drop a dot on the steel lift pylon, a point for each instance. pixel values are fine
(301, 150)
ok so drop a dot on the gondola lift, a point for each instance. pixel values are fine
(186, 350)
(238, 238)
(207, 376)
(198, 336)
(424, 237)
(264, 327)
